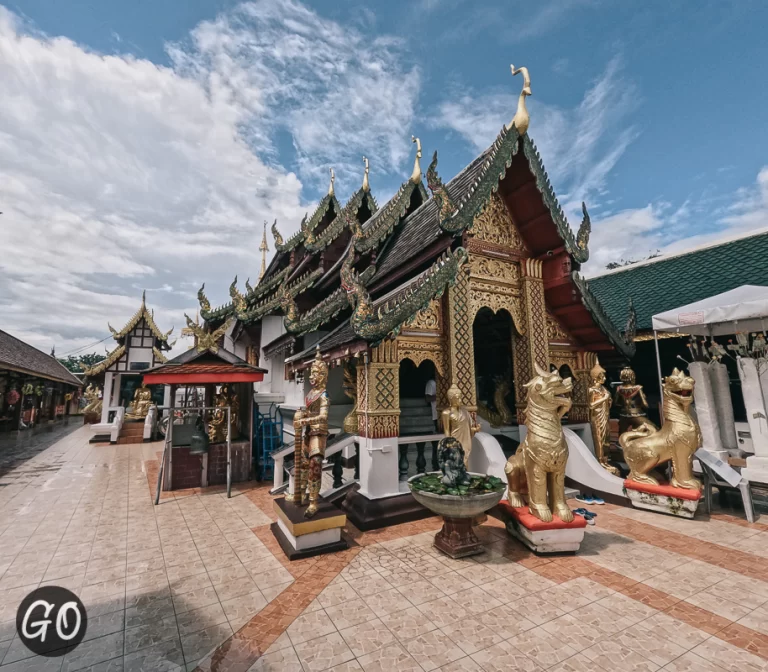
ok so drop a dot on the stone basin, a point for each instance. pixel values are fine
(456, 506)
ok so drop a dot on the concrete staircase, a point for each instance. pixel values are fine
(132, 431)
(415, 417)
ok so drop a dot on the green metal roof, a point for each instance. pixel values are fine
(676, 280)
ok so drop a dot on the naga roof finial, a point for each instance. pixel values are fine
(416, 175)
(276, 235)
(521, 120)
(330, 186)
(366, 184)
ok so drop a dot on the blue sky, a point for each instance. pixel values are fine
(145, 142)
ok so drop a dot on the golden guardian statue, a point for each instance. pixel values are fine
(538, 466)
(458, 422)
(599, 415)
(311, 431)
(645, 448)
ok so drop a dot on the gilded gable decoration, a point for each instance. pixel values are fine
(494, 225)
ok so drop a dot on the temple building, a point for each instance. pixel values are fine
(470, 284)
(35, 388)
(140, 346)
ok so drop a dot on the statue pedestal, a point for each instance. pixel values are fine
(301, 537)
(456, 538)
(679, 502)
(541, 537)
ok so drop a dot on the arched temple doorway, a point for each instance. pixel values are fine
(416, 416)
(494, 373)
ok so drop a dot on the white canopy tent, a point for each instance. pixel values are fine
(742, 309)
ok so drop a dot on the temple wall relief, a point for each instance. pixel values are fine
(461, 361)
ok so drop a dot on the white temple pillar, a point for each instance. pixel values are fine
(379, 475)
(706, 412)
(106, 397)
(166, 399)
(757, 465)
(721, 388)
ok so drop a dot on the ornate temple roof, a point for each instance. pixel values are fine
(143, 313)
(148, 316)
(695, 275)
(409, 250)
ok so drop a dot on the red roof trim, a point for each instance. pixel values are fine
(169, 378)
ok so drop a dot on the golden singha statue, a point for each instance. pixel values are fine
(142, 400)
(310, 426)
(538, 466)
(94, 404)
(645, 448)
(599, 414)
(217, 426)
(458, 422)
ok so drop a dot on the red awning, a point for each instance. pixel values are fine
(193, 373)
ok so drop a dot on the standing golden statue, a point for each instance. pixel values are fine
(645, 448)
(310, 426)
(538, 466)
(94, 404)
(599, 415)
(142, 400)
(458, 422)
(218, 431)
(631, 402)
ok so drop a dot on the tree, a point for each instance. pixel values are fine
(81, 362)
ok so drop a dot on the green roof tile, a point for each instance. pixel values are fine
(670, 282)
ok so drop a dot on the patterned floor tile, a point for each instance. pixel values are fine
(323, 652)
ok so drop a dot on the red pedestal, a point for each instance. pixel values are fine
(457, 539)
(663, 489)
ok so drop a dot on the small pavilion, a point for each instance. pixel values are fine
(140, 346)
(212, 379)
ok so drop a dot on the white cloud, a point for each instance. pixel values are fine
(117, 174)
(340, 94)
(579, 146)
(633, 234)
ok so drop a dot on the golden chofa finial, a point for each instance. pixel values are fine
(521, 118)
(263, 248)
(416, 175)
(330, 186)
(366, 184)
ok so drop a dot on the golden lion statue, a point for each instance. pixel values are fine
(538, 466)
(645, 448)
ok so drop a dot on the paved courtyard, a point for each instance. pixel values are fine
(199, 583)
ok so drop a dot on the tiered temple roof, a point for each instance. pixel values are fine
(143, 313)
(389, 263)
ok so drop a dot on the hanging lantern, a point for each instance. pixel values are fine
(198, 443)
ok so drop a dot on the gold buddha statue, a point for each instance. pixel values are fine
(631, 402)
(311, 431)
(599, 415)
(458, 422)
(217, 425)
(142, 400)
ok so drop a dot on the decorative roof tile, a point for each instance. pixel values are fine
(694, 274)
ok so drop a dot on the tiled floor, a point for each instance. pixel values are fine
(200, 580)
